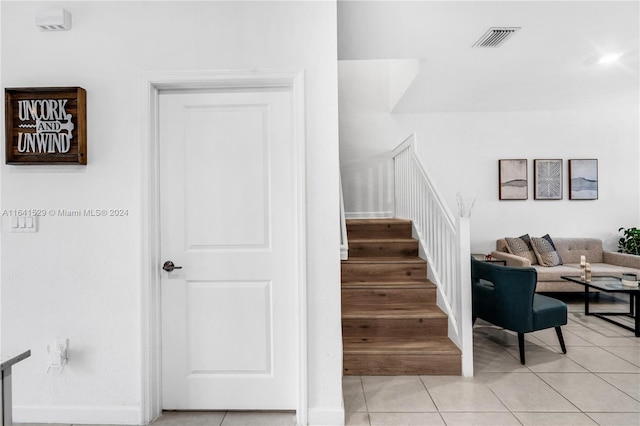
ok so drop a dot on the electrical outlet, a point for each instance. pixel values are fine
(62, 344)
(57, 354)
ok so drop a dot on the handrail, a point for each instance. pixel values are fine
(444, 242)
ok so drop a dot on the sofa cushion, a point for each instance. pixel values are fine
(571, 249)
(521, 246)
(545, 251)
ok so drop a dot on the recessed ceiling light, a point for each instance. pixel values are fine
(608, 59)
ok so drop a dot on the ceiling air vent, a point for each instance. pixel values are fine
(496, 36)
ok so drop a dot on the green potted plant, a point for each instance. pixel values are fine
(630, 242)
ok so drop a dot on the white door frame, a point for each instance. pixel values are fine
(150, 85)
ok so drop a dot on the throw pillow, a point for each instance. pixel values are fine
(546, 251)
(521, 246)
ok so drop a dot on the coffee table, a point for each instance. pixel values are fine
(612, 285)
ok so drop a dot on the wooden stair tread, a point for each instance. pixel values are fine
(381, 240)
(426, 284)
(399, 345)
(384, 260)
(379, 221)
(394, 311)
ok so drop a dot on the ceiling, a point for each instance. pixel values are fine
(550, 64)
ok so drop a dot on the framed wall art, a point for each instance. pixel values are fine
(547, 179)
(46, 125)
(583, 179)
(512, 179)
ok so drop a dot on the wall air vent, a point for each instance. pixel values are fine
(496, 36)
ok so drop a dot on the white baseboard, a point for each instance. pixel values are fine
(368, 215)
(130, 415)
(325, 417)
(88, 414)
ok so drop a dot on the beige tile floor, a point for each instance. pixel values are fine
(596, 383)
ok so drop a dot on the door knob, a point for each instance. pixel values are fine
(169, 266)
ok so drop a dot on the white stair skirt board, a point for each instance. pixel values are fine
(93, 414)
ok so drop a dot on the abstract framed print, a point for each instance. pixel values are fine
(512, 179)
(547, 179)
(583, 179)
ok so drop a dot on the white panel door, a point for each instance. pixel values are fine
(228, 218)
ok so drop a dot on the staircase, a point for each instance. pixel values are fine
(391, 324)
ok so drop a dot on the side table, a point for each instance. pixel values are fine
(484, 258)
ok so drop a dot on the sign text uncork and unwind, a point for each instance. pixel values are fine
(46, 125)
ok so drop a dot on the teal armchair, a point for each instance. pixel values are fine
(505, 296)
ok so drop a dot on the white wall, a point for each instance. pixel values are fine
(79, 278)
(461, 151)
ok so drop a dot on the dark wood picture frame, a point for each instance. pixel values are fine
(583, 179)
(46, 125)
(547, 179)
(513, 183)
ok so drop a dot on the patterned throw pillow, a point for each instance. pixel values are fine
(546, 251)
(521, 247)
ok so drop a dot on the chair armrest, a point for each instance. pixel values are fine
(509, 303)
(511, 259)
(621, 259)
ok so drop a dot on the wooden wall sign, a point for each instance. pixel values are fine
(46, 125)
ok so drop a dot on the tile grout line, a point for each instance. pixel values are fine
(558, 392)
(541, 379)
(618, 356)
(612, 384)
(364, 396)
(223, 417)
(424, 385)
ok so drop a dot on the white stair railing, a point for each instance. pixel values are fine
(444, 242)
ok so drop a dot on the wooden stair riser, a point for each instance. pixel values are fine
(362, 248)
(390, 322)
(420, 328)
(357, 230)
(397, 365)
(379, 297)
(383, 271)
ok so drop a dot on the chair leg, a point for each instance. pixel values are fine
(561, 339)
(521, 346)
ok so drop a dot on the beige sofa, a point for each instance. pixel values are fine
(570, 249)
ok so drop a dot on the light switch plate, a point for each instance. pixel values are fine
(24, 224)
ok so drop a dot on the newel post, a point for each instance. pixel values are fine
(464, 265)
